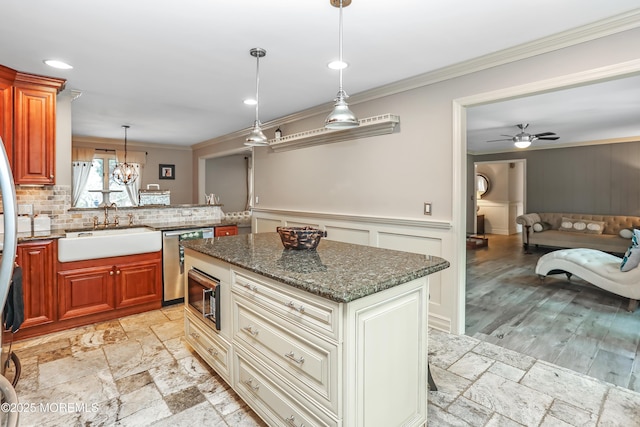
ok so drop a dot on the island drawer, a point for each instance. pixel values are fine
(213, 349)
(268, 397)
(304, 359)
(298, 306)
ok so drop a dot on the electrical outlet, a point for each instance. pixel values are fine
(427, 208)
(257, 199)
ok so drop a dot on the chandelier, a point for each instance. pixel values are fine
(125, 173)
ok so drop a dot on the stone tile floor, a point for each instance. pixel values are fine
(138, 371)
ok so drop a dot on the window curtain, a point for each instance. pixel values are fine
(132, 189)
(137, 159)
(81, 167)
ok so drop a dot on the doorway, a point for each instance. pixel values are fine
(460, 154)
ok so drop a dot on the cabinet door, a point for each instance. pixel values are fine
(85, 291)
(225, 230)
(34, 135)
(6, 117)
(37, 262)
(138, 283)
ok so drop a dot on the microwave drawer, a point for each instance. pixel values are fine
(271, 401)
(212, 347)
(299, 307)
(307, 361)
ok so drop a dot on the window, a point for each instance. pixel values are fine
(99, 180)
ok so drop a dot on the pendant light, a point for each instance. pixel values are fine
(341, 117)
(125, 173)
(256, 138)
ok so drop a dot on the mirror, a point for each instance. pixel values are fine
(482, 185)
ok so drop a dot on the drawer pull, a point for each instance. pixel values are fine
(290, 304)
(252, 288)
(194, 335)
(249, 329)
(249, 382)
(292, 357)
(213, 351)
(292, 421)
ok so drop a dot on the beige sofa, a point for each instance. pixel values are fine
(600, 232)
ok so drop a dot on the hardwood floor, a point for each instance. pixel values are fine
(569, 323)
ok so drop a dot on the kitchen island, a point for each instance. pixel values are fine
(334, 336)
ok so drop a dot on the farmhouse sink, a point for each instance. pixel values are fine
(109, 242)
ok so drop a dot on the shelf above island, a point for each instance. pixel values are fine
(371, 126)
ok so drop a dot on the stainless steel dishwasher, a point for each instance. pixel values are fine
(173, 261)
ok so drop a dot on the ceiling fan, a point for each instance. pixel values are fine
(523, 139)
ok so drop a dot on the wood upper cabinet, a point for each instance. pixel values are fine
(28, 124)
(37, 260)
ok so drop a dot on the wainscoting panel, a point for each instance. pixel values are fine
(428, 238)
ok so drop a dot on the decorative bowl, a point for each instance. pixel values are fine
(300, 237)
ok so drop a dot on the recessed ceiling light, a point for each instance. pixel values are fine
(250, 101)
(57, 64)
(337, 65)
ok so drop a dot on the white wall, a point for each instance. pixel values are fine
(391, 176)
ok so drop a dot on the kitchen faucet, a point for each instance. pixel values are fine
(106, 214)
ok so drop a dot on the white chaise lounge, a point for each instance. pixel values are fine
(596, 267)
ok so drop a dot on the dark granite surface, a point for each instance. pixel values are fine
(338, 271)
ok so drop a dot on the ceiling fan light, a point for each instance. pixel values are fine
(522, 143)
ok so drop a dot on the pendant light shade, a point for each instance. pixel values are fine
(125, 173)
(341, 117)
(256, 138)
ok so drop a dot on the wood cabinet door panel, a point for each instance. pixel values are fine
(37, 263)
(84, 292)
(6, 118)
(225, 230)
(137, 283)
(34, 136)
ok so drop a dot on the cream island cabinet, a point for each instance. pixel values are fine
(331, 337)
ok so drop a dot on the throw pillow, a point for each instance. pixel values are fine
(582, 226)
(631, 259)
(625, 233)
(541, 226)
(594, 227)
(566, 224)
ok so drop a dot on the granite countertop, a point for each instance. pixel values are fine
(57, 233)
(338, 271)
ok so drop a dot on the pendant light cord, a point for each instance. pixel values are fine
(340, 49)
(258, 84)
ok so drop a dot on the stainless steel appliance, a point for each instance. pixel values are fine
(203, 296)
(173, 261)
(9, 250)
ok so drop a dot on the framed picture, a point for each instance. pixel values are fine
(167, 172)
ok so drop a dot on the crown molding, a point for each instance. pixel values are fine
(606, 27)
(92, 141)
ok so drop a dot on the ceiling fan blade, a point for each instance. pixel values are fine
(544, 134)
(499, 140)
(508, 136)
(549, 138)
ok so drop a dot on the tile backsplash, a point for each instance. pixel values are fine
(55, 201)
